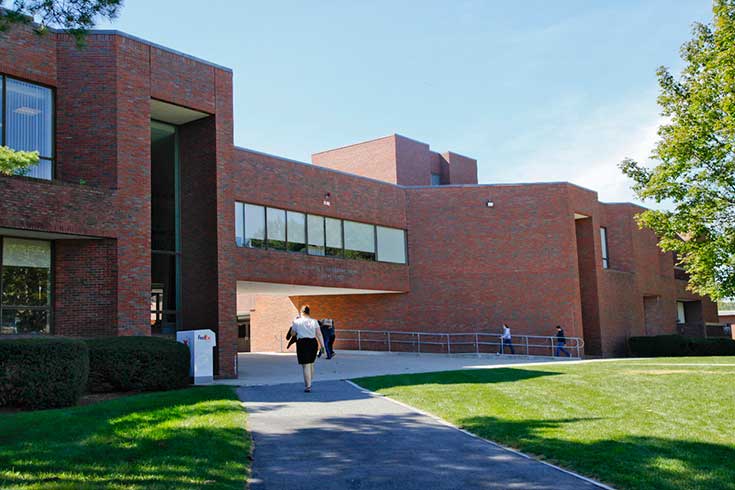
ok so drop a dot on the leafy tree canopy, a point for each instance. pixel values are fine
(75, 16)
(14, 162)
(695, 158)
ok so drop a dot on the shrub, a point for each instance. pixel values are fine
(42, 372)
(137, 363)
(678, 345)
(713, 347)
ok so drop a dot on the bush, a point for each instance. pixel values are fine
(42, 372)
(678, 345)
(137, 363)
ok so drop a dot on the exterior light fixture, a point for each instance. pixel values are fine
(489, 203)
(327, 199)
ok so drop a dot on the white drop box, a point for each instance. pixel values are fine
(201, 345)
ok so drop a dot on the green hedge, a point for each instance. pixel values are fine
(678, 345)
(43, 372)
(137, 363)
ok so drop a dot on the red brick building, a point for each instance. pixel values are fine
(144, 218)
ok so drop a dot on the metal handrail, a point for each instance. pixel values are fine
(453, 343)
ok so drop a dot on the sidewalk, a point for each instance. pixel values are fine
(340, 437)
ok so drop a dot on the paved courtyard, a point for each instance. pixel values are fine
(273, 368)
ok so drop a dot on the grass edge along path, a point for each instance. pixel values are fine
(182, 439)
(632, 424)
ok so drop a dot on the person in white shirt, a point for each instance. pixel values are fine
(308, 341)
(506, 339)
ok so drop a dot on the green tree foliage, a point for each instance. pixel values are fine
(14, 162)
(75, 16)
(695, 158)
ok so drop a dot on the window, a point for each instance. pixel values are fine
(296, 231)
(293, 231)
(603, 244)
(276, 228)
(359, 241)
(436, 179)
(681, 315)
(254, 226)
(315, 231)
(239, 224)
(27, 111)
(391, 245)
(25, 279)
(333, 229)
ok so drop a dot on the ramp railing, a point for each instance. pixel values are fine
(457, 343)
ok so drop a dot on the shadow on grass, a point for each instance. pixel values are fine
(175, 440)
(628, 462)
(496, 375)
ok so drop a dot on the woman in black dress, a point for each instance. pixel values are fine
(308, 341)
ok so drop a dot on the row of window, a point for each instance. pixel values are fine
(26, 122)
(280, 229)
(25, 286)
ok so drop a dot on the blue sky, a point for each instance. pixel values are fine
(536, 91)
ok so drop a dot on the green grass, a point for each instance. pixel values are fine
(634, 424)
(184, 439)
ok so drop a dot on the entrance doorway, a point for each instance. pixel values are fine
(165, 230)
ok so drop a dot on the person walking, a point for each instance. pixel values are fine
(506, 339)
(561, 341)
(327, 327)
(308, 341)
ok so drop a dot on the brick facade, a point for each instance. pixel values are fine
(526, 260)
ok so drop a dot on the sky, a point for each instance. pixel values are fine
(535, 90)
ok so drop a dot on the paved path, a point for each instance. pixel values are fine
(339, 438)
(257, 369)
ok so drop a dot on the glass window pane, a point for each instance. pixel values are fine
(254, 226)
(359, 241)
(21, 321)
(391, 245)
(436, 179)
(276, 228)
(29, 127)
(26, 272)
(315, 225)
(21, 252)
(296, 231)
(239, 224)
(603, 245)
(333, 229)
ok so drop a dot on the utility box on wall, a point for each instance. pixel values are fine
(201, 345)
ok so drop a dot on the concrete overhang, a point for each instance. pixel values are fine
(279, 289)
(174, 114)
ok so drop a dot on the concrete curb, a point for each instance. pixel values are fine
(475, 436)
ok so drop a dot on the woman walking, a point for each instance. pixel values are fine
(308, 341)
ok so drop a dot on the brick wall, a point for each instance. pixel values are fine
(84, 293)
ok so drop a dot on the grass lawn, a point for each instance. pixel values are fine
(662, 423)
(184, 439)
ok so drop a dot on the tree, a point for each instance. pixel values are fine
(695, 158)
(14, 162)
(74, 16)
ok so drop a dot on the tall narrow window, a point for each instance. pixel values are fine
(276, 228)
(359, 241)
(681, 315)
(436, 179)
(296, 231)
(603, 245)
(25, 302)
(391, 245)
(239, 224)
(28, 123)
(315, 231)
(254, 226)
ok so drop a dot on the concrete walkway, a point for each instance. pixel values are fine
(341, 437)
(272, 368)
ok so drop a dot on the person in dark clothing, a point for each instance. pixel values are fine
(327, 327)
(561, 341)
